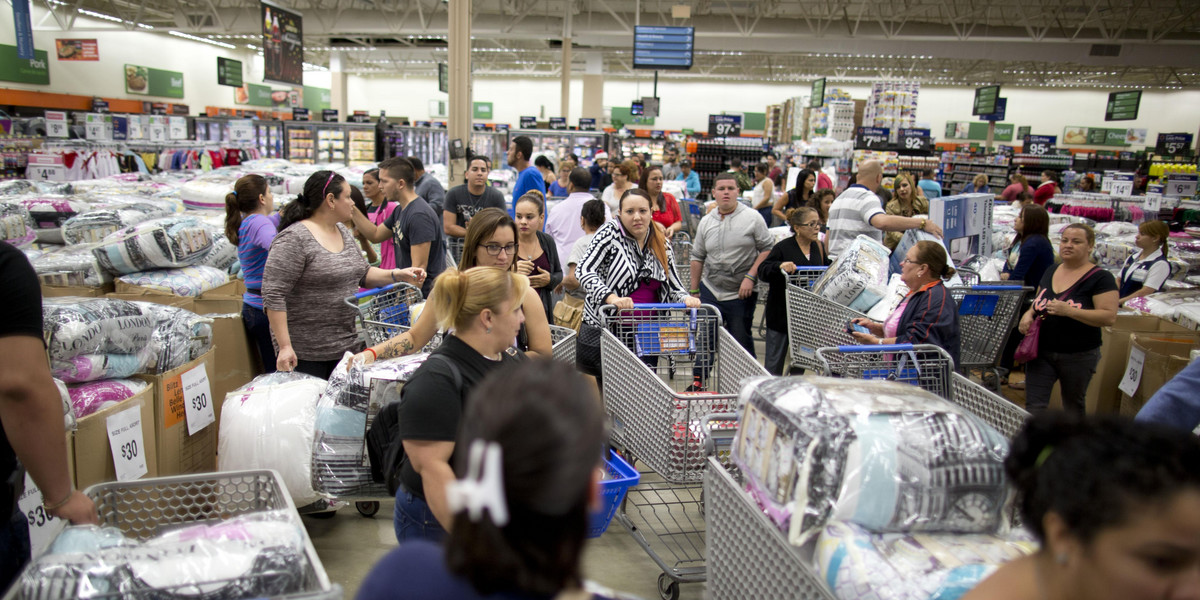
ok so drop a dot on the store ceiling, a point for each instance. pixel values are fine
(1066, 43)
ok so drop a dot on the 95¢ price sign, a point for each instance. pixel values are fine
(127, 444)
(197, 399)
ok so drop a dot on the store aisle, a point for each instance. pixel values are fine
(349, 545)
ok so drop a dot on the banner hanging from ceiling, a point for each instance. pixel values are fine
(283, 45)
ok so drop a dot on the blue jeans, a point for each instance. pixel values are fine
(14, 549)
(738, 316)
(259, 330)
(413, 519)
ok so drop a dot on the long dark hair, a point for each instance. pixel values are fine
(244, 199)
(661, 201)
(1034, 221)
(548, 424)
(318, 185)
(656, 241)
(374, 173)
(799, 189)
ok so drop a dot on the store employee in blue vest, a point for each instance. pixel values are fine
(528, 176)
(1146, 273)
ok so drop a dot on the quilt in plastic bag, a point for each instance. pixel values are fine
(71, 265)
(339, 457)
(16, 227)
(180, 336)
(164, 243)
(267, 424)
(79, 326)
(184, 281)
(888, 456)
(859, 276)
(68, 410)
(255, 555)
(113, 215)
(91, 397)
(860, 565)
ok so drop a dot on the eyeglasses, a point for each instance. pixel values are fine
(814, 224)
(910, 262)
(494, 249)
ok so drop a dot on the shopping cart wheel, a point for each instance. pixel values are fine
(668, 588)
(367, 508)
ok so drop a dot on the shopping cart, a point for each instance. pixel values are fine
(563, 340)
(658, 422)
(693, 211)
(681, 247)
(923, 365)
(144, 508)
(749, 557)
(454, 250)
(804, 277)
(968, 276)
(986, 316)
(387, 311)
(815, 322)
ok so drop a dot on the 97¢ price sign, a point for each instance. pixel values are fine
(197, 399)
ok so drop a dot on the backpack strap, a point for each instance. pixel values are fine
(455, 373)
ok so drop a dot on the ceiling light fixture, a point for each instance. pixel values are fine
(196, 38)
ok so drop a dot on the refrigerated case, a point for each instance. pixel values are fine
(267, 135)
(584, 144)
(345, 143)
(492, 144)
(430, 144)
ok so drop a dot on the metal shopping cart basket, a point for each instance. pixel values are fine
(986, 316)
(387, 311)
(144, 508)
(749, 557)
(815, 322)
(804, 277)
(681, 247)
(454, 249)
(658, 421)
(563, 340)
(923, 365)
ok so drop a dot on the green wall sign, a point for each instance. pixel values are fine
(256, 95)
(622, 114)
(24, 70)
(145, 81)
(317, 99)
(482, 110)
(970, 130)
(754, 121)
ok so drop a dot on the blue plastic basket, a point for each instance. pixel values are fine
(621, 477)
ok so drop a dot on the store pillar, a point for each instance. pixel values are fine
(459, 110)
(593, 88)
(338, 97)
(565, 72)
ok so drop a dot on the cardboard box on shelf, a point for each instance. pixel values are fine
(236, 287)
(58, 291)
(237, 358)
(179, 452)
(1103, 395)
(169, 300)
(93, 453)
(1166, 355)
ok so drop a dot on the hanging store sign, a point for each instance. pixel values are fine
(1039, 144)
(229, 72)
(1123, 106)
(867, 138)
(986, 99)
(24, 70)
(724, 125)
(1173, 144)
(23, 23)
(663, 47)
(816, 98)
(915, 140)
(153, 82)
(283, 45)
(998, 114)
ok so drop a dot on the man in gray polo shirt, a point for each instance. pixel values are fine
(858, 211)
(730, 243)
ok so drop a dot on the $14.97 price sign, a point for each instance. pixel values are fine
(197, 399)
(127, 444)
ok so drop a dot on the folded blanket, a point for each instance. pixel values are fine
(91, 397)
(185, 281)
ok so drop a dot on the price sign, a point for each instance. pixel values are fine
(127, 443)
(329, 115)
(47, 167)
(1180, 185)
(558, 123)
(528, 122)
(299, 114)
(137, 127)
(1172, 144)
(587, 124)
(56, 124)
(915, 140)
(1121, 184)
(98, 126)
(197, 399)
(43, 528)
(1133, 371)
(158, 129)
(724, 125)
(177, 128)
(1040, 144)
(871, 137)
(241, 131)
(1154, 195)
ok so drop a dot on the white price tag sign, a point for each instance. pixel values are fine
(158, 133)
(1133, 371)
(241, 131)
(197, 399)
(98, 127)
(56, 124)
(177, 128)
(137, 130)
(1181, 186)
(1122, 184)
(43, 528)
(46, 167)
(127, 444)
(1153, 197)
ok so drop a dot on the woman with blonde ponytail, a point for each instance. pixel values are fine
(1146, 272)
(483, 307)
(251, 226)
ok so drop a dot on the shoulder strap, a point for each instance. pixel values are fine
(1087, 276)
(455, 374)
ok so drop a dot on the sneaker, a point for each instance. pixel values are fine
(695, 387)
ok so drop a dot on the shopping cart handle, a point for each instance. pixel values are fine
(984, 288)
(660, 305)
(710, 445)
(379, 290)
(811, 268)
(878, 348)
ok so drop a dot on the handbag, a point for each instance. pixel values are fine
(1028, 348)
(569, 312)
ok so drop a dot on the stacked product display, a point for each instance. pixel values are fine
(960, 168)
(833, 120)
(710, 156)
(892, 105)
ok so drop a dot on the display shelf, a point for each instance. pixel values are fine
(430, 144)
(362, 146)
(331, 145)
(710, 156)
(300, 145)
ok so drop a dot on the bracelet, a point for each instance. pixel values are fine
(923, 222)
(695, 291)
(58, 505)
(752, 278)
(393, 274)
(374, 356)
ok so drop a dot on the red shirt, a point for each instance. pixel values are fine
(1044, 193)
(823, 181)
(671, 215)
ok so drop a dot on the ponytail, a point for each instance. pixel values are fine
(307, 203)
(243, 199)
(459, 296)
(1156, 229)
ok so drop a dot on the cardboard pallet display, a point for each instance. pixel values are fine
(227, 289)
(93, 455)
(180, 453)
(1102, 394)
(1166, 355)
(80, 291)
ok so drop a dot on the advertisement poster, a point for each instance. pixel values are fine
(153, 82)
(283, 47)
(23, 70)
(77, 49)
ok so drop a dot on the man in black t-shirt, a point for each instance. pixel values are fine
(462, 202)
(32, 417)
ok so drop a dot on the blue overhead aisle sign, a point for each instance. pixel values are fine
(663, 47)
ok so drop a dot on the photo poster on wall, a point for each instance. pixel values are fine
(283, 45)
(77, 49)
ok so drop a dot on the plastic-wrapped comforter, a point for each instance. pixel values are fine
(858, 278)
(185, 281)
(16, 227)
(164, 243)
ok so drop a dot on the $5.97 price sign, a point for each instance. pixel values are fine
(197, 399)
(127, 444)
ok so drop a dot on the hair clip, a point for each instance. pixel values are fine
(483, 486)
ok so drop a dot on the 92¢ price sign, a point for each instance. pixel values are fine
(197, 399)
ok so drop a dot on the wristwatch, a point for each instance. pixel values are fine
(923, 222)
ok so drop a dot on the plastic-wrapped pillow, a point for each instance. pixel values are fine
(179, 336)
(222, 255)
(887, 456)
(71, 265)
(16, 187)
(16, 227)
(860, 565)
(50, 212)
(68, 409)
(92, 367)
(267, 424)
(896, 292)
(96, 224)
(91, 397)
(164, 243)
(858, 278)
(185, 281)
(79, 326)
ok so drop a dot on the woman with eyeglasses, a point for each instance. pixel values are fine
(928, 314)
(312, 267)
(801, 250)
(491, 241)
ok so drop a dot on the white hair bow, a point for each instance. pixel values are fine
(483, 486)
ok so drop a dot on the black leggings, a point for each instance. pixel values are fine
(259, 330)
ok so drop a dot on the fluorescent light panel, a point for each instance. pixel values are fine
(196, 38)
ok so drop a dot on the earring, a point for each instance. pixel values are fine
(487, 330)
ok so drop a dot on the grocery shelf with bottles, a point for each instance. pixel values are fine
(560, 143)
(492, 144)
(266, 136)
(301, 143)
(430, 144)
(960, 168)
(710, 156)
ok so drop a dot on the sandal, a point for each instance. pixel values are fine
(1020, 385)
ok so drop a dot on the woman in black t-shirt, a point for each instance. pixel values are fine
(483, 306)
(801, 250)
(1069, 338)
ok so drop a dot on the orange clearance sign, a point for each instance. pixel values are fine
(77, 49)
(173, 411)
